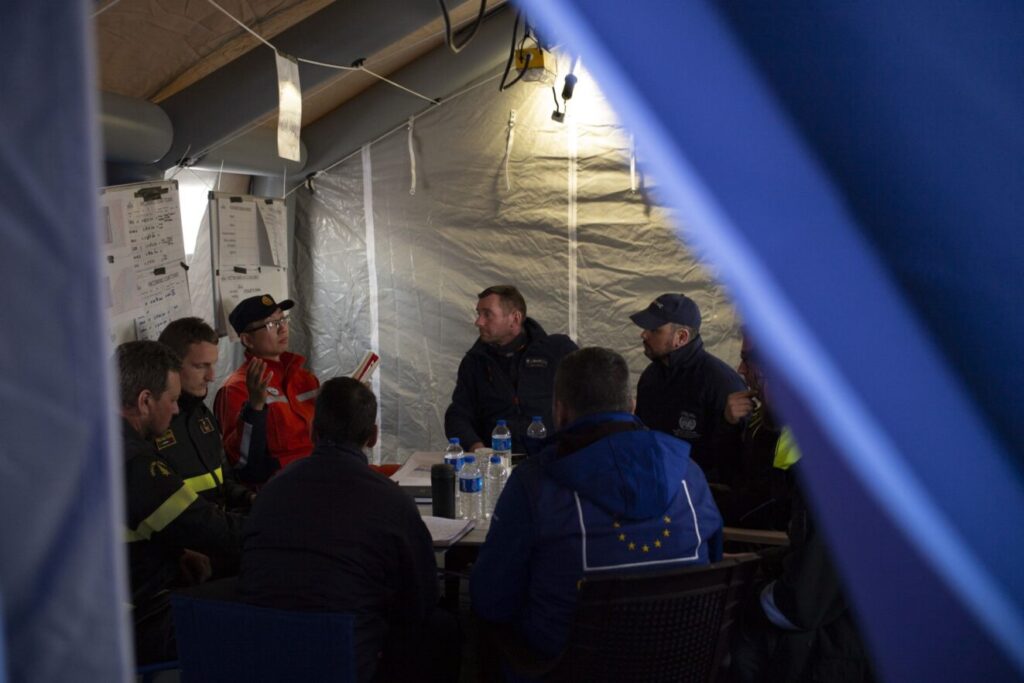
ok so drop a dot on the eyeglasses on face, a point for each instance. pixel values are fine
(271, 325)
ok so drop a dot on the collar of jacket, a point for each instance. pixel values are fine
(288, 359)
(133, 441)
(329, 448)
(684, 356)
(187, 402)
(591, 428)
(534, 333)
(513, 347)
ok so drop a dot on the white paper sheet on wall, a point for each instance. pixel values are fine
(238, 243)
(164, 298)
(122, 289)
(275, 223)
(143, 251)
(154, 230)
(121, 328)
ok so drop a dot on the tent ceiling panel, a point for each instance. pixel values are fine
(151, 50)
(201, 67)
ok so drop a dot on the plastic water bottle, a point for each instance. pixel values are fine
(471, 489)
(495, 483)
(535, 434)
(501, 444)
(454, 457)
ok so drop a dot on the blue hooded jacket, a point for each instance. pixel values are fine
(629, 502)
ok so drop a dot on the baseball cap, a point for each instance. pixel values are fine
(669, 308)
(255, 308)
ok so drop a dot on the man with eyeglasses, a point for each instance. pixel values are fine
(268, 428)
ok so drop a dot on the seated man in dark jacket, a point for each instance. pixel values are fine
(330, 534)
(192, 444)
(799, 626)
(169, 526)
(684, 390)
(508, 374)
(607, 495)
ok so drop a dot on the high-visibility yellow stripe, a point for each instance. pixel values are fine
(787, 453)
(205, 482)
(163, 515)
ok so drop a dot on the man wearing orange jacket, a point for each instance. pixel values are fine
(266, 406)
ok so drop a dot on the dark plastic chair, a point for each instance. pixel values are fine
(223, 640)
(147, 673)
(672, 626)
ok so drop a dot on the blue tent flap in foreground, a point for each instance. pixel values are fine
(854, 172)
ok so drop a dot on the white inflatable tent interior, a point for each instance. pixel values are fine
(411, 209)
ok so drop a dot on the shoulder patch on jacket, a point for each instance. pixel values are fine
(205, 425)
(159, 467)
(165, 440)
(536, 362)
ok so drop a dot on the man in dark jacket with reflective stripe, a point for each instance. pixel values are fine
(192, 445)
(507, 374)
(169, 526)
(684, 390)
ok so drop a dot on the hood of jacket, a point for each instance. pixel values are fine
(631, 474)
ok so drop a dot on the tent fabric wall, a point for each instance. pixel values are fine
(62, 569)
(463, 230)
(838, 211)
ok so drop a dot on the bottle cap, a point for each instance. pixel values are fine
(495, 459)
(454, 439)
(538, 418)
(502, 423)
(470, 459)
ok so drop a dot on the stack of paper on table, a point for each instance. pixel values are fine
(414, 475)
(446, 531)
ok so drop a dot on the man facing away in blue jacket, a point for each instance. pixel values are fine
(605, 495)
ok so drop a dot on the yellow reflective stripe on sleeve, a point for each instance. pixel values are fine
(205, 482)
(787, 453)
(163, 515)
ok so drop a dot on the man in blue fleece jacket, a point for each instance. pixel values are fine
(606, 495)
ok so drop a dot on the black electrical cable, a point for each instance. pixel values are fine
(512, 55)
(449, 37)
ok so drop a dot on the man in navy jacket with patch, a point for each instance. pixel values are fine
(684, 390)
(507, 374)
(605, 495)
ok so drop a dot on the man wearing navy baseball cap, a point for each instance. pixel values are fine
(684, 390)
(266, 406)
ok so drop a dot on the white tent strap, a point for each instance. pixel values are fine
(508, 146)
(632, 164)
(412, 158)
(371, 274)
(573, 151)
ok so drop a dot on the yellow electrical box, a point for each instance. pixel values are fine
(539, 67)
